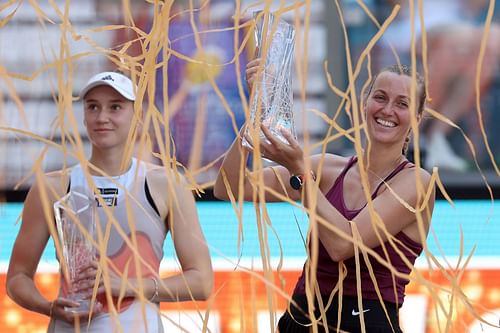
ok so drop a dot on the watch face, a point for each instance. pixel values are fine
(296, 182)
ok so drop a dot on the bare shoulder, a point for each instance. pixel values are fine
(54, 184)
(337, 160)
(330, 166)
(153, 171)
(58, 176)
(164, 185)
(415, 187)
(44, 192)
(329, 161)
(413, 175)
(413, 184)
(160, 176)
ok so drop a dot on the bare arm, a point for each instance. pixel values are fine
(275, 179)
(28, 248)
(394, 215)
(196, 279)
(335, 230)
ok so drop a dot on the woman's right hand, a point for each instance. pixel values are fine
(58, 311)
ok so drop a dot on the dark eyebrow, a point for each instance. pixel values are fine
(383, 91)
(112, 101)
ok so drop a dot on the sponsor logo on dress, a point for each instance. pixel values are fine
(109, 196)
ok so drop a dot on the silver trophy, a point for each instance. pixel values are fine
(273, 98)
(75, 222)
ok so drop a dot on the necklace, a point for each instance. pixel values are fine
(380, 179)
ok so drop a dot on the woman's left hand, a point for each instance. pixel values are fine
(288, 154)
(91, 275)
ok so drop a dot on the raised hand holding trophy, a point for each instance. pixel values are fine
(273, 97)
(75, 222)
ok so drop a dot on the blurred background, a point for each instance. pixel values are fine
(45, 50)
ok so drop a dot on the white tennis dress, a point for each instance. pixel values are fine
(129, 201)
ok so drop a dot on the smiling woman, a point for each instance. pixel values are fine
(388, 103)
(368, 214)
(135, 209)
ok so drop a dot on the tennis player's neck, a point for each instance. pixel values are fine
(112, 165)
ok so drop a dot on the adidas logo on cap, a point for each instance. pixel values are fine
(107, 77)
(117, 81)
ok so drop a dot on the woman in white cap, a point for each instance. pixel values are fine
(137, 204)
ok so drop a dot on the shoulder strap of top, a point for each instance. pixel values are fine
(340, 177)
(394, 172)
(349, 164)
(74, 174)
(149, 197)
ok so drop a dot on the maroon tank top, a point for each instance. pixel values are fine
(391, 287)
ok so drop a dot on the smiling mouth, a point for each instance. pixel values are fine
(385, 123)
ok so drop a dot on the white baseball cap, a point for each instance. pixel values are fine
(117, 81)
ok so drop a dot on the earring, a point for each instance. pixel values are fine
(406, 144)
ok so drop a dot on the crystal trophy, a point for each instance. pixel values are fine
(75, 223)
(273, 98)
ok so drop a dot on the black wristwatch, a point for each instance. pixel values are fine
(296, 181)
